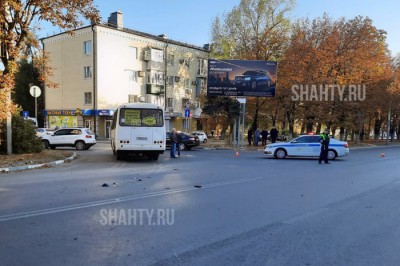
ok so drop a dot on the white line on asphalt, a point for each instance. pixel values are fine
(15, 216)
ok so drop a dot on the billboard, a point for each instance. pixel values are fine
(253, 78)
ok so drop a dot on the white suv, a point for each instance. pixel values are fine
(80, 138)
(201, 135)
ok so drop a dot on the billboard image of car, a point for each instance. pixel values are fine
(253, 79)
(241, 78)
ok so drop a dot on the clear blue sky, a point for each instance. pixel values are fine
(190, 20)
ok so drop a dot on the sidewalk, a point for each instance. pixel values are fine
(30, 165)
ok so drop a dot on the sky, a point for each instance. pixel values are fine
(190, 21)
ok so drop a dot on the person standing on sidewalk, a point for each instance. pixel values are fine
(250, 136)
(274, 134)
(264, 136)
(256, 137)
(174, 141)
(323, 156)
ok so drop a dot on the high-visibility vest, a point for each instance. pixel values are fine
(322, 136)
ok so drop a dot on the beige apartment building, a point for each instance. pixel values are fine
(101, 66)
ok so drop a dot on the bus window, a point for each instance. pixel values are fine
(141, 117)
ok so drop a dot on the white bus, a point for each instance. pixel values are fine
(138, 129)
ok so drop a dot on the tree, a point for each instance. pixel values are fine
(341, 53)
(18, 21)
(223, 106)
(26, 76)
(254, 30)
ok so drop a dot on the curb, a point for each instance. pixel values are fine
(374, 147)
(33, 166)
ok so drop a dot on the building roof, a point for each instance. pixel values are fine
(160, 38)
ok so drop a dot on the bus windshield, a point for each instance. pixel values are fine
(139, 117)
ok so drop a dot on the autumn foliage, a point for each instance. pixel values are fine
(18, 22)
(323, 52)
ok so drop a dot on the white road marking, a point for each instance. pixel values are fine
(15, 216)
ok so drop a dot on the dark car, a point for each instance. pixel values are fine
(253, 79)
(188, 141)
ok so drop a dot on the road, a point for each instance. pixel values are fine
(207, 207)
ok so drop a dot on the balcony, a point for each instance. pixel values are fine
(155, 89)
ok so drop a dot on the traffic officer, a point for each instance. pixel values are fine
(323, 156)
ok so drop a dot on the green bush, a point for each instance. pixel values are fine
(24, 139)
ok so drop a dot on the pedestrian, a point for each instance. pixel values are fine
(174, 141)
(212, 134)
(256, 137)
(264, 136)
(323, 156)
(274, 134)
(250, 135)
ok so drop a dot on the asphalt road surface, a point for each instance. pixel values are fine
(208, 207)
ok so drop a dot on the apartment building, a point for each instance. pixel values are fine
(102, 66)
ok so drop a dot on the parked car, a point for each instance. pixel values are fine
(188, 141)
(280, 137)
(80, 138)
(306, 146)
(201, 135)
(40, 132)
(253, 79)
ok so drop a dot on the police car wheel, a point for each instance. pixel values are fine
(280, 153)
(332, 155)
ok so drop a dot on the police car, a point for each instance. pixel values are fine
(306, 146)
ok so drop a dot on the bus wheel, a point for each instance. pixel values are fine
(119, 155)
(154, 157)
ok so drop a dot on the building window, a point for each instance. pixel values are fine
(133, 53)
(185, 62)
(202, 64)
(131, 98)
(156, 77)
(88, 98)
(87, 47)
(187, 83)
(185, 103)
(170, 59)
(133, 75)
(157, 55)
(87, 72)
(170, 102)
(171, 80)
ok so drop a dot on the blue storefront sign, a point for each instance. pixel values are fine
(83, 112)
(105, 112)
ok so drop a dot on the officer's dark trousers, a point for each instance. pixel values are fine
(323, 156)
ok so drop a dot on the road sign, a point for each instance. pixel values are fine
(187, 112)
(241, 100)
(35, 91)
